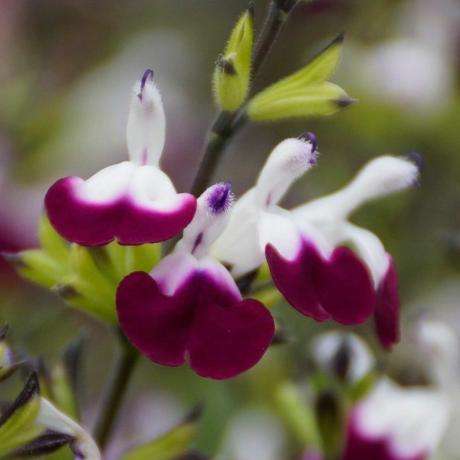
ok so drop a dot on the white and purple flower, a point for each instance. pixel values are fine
(395, 423)
(309, 263)
(133, 201)
(189, 307)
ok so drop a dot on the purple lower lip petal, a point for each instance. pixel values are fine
(339, 288)
(220, 334)
(94, 224)
(387, 309)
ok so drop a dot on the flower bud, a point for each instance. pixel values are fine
(305, 93)
(233, 69)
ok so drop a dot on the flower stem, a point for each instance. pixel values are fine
(227, 124)
(117, 387)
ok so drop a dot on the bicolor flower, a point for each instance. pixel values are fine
(395, 423)
(134, 201)
(344, 355)
(305, 247)
(189, 307)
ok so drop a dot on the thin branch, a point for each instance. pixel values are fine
(117, 387)
(227, 124)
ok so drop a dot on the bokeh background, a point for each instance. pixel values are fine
(67, 67)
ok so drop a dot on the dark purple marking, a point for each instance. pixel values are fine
(96, 224)
(197, 242)
(148, 74)
(220, 198)
(218, 333)
(417, 159)
(308, 136)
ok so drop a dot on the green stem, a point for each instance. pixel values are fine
(227, 124)
(114, 395)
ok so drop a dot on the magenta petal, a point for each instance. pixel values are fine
(295, 279)
(345, 287)
(204, 320)
(360, 446)
(94, 224)
(387, 308)
(83, 223)
(227, 341)
(157, 325)
(141, 225)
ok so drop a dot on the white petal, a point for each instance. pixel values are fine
(53, 419)
(146, 127)
(287, 162)
(439, 345)
(150, 186)
(174, 269)
(326, 346)
(414, 419)
(381, 176)
(370, 249)
(211, 218)
(108, 184)
(238, 245)
(254, 431)
(281, 232)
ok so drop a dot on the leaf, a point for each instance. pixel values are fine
(305, 93)
(18, 423)
(232, 73)
(46, 443)
(86, 278)
(362, 387)
(173, 444)
(318, 99)
(298, 415)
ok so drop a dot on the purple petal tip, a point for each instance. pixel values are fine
(313, 140)
(417, 159)
(308, 136)
(220, 198)
(148, 75)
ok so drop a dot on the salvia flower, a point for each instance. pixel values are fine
(345, 356)
(189, 307)
(309, 263)
(133, 201)
(395, 423)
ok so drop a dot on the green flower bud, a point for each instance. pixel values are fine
(233, 69)
(305, 93)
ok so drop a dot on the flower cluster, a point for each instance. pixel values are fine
(189, 308)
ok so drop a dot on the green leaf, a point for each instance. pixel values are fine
(232, 73)
(331, 419)
(298, 414)
(18, 422)
(362, 387)
(86, 278)
(305, 93)
(318, 99)
(171, 445)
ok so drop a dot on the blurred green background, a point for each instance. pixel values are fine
(67, 67)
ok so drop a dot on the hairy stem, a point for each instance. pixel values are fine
(114, 395)
(227, 124)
